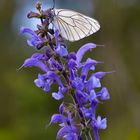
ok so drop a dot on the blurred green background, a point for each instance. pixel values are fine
(25, 109)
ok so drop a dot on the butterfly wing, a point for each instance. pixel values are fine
(73, 25)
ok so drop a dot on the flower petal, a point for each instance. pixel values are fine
(92, 96)
(63, 131)
(38, 56)
(71, 136)
(35, 40)
(47, 85)
(35, 62)
(55, 64)
(58, 118)
(29, 31)
(61, 108)
(61, 50)
(78, 84)
(54, 76)
(57, 95)
(104, 94)
(83, 50)
(88, 65)
(101, 123)
(81, 97)
(39, 83)
(72, 64)
(72, 55)
(88, 112)
(99, 74)
(92, 83)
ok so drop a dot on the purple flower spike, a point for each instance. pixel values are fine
(73, 77)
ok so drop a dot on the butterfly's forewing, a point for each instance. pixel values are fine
(73, 25)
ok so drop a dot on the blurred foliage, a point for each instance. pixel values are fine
(25, 109)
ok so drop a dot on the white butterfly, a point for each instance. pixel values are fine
(73, 26)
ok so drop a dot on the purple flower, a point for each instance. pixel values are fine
(43, 82)
(98, 124)
(88, 112)
(104, 94)
(52, 75)
(78, 84)
(88, 65)
(54, 65)
(35, 40)
(60, 94)
(71, 136)
(83, 50)
(35, 62)
(93, 96)
(68, 129)
(92, 83)
(82, 98)
(60, 49)
(39, 56)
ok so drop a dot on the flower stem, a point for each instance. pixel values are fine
(90, 135)
(96, 134)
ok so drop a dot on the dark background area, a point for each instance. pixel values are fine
(25, 109)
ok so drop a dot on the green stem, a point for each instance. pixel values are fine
(90, 136)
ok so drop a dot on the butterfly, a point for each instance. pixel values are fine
(72, 25)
